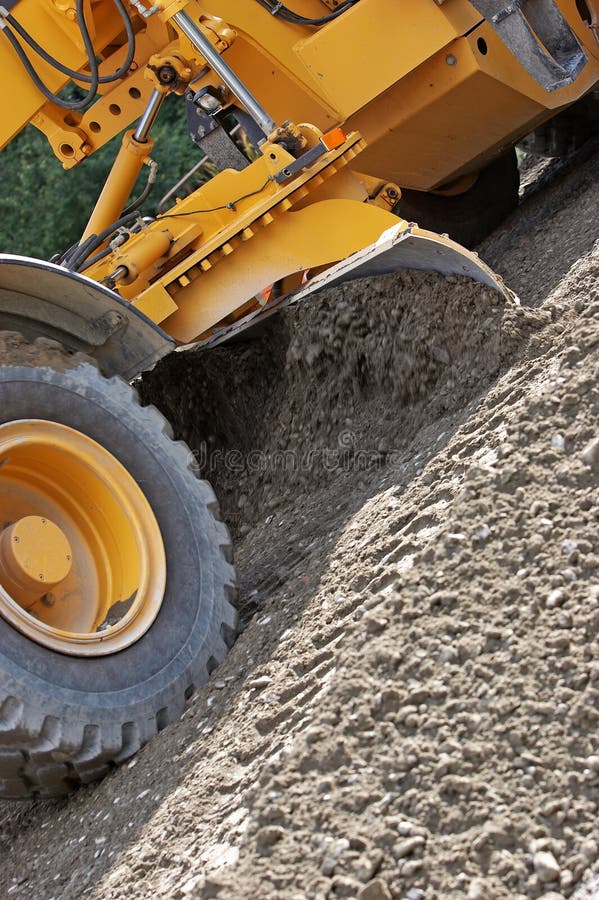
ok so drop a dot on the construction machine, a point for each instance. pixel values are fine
(116, 584)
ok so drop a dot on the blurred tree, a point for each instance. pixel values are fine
(44, 209)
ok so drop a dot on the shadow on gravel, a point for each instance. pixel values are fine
(552, 228)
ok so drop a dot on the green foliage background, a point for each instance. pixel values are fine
(44, 209)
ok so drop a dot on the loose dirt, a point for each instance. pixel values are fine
(410, 470)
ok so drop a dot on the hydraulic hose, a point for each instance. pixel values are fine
(83, 251)
(48, 94)
(72, 73)
(282, 12)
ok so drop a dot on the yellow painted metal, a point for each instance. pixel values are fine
(75, 135)
(456, 112)
(345, 68)
(317, 235)
(119, 184)
(63, 495)
(430, 88)
(35, 556)
(231, 207)
(409, 77)
(140, 259)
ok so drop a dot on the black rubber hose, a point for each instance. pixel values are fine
(86, 263)
(72, 73)
(94, 241)
(92, 260)
(135, 204)
(48, 94)
(75, 251)
(282, 12)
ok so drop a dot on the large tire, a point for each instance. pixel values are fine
(468, 217)
(66, 720)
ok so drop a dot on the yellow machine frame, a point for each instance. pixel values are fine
(426, 93)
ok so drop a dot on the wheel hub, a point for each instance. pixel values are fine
(35, 556)
(82, 563)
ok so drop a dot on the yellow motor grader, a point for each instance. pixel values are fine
(357, 117)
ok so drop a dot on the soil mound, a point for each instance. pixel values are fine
(344, 380)
(412, 710)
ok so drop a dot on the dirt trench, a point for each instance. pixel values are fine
(410, 471)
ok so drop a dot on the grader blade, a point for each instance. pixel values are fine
(404, 246)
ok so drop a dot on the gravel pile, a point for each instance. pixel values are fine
(412, 710)
(344, 381)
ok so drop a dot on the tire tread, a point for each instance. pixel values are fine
(48, 758)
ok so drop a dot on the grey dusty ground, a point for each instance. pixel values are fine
(410, 469)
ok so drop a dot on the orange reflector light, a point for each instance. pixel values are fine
(334, 138)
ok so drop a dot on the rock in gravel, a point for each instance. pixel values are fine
(375, 890)
(342, 886)
(546, 866)
(592, 762)
(590, 454)
(479, 889)
(258, 683)
(268, 836)
(405, 848)
(334, 851)
(555, 598)
(415, 894)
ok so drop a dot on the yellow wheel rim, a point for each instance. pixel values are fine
(82, 562)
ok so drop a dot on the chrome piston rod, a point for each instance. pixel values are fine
(149, 116)
(224, 71)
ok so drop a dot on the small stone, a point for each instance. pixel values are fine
(555, 598)
(482, 533)
(589, 851)
(190, 886)
(258, 683)
(415, 894)
(449, 654)
(269, 835)
(592, 763)
(590, 454)
(566, 879)
(546, 866)
(367, 866)
(552, 895)
(568, 546)
(479, 889)
(334, 851)
(404, 848)
(405, 828)
(375, 890)
(375, 624)
(343, 886)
